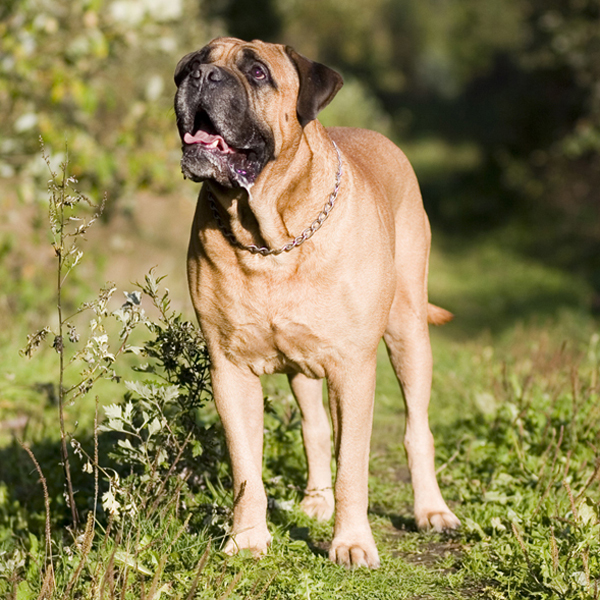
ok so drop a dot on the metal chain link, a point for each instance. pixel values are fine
(295, 242)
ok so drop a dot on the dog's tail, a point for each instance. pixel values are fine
(437, 315)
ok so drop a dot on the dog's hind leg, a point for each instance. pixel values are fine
(407, 340)
(318, 499)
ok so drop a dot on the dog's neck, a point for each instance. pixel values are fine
(275, 209)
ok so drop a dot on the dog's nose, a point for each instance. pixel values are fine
(208, 72)
(214, 74)
(196, 70)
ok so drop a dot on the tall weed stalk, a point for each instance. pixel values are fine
(66, 227)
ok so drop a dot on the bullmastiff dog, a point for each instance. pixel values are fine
(308, 246)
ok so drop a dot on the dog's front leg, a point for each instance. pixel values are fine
(239, 401)
(351, 396)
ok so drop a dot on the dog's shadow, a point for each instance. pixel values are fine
(301, 529)
(302, 533)
(402, 524)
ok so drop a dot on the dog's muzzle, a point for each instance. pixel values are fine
(221, 139)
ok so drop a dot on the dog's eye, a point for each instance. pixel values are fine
(258, 72)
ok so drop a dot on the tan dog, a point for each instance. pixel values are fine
(270, 302)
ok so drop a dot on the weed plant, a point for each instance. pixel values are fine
(527, 471)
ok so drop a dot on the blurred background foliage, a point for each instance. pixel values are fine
(496, 102)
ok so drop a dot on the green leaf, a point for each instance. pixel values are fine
(154, 426)
(34, 544)
(513, 516)
(197, 449)
(24, 592)
(492, 496)
(114, 425)
(127, 559)
(113, 411)
(474, 527)
(587, 514)
(141, 389)
(125, 444)
(137, 350)
(128, 412)
(170, 393)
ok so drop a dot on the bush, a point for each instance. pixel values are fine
(97, 74)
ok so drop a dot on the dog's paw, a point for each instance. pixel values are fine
(442, 520)
(319, 505)
(354, 553)
(256, 539)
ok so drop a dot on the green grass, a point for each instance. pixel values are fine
(516, 418)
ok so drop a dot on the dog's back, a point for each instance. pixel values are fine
(379, 156)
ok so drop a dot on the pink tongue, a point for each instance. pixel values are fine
(207, 139)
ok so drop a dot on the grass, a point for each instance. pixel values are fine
(494, 454)
(514, 411)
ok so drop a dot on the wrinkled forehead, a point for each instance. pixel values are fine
(230, 51)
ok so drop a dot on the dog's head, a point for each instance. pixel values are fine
(239, 104)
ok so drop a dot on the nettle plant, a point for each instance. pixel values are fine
(158, 433)
(162, 434)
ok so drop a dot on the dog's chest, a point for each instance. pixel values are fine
(276, 345)
(269, 329)
(269, 339)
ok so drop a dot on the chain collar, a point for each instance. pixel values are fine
(293, 243)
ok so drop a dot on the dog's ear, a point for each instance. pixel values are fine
(318, 86)
(181, 69)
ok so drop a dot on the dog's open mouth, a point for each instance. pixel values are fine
(214, 142)
(206, 135)
(242, 164)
